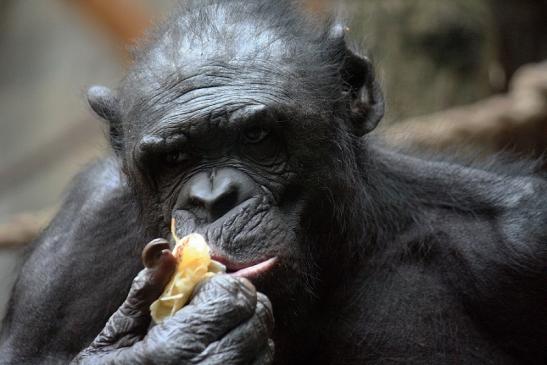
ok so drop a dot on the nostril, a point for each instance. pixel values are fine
(224, 203)
(210, 196)
(196, 202)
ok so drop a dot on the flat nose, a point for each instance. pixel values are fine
(210, 195)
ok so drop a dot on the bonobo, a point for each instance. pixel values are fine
(248, 122)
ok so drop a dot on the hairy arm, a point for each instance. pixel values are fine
(499, 266)
(78, 272)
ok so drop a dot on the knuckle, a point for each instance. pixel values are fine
(265, 313)
(264, 302)
(270, 352)
(139, 281)
(232, 283)
(140, 289)
(226, 289)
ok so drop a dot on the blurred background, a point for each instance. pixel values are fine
(463, 75)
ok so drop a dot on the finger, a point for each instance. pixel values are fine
(265, 312)
(215, 354)
(149, 284)
(246, 342)
(266, 356)
(130, 322)
(219, 305)
(247, 335)
(152, 252)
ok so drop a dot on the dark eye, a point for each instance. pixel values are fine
(175, 158)
(255, 135)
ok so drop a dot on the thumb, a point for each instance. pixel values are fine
(130, 322)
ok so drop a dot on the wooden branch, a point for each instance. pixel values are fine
(23, 228)
(516, 121)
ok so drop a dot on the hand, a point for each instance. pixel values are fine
(226, 322)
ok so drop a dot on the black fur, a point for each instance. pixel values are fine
(385, 258)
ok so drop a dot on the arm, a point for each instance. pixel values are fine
(78, 271)
(499, 267)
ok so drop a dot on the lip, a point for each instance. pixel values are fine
(249, 270)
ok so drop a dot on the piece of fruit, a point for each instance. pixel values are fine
(193, 265)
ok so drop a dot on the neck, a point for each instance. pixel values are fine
(370, 207)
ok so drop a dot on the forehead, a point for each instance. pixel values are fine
(215, 62)
(200, 89)
(213, 32)
(208, 90)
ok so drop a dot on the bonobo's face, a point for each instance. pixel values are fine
(242, 128)
(236, 161)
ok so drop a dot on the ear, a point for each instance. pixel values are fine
(105, 104)
(366, 98)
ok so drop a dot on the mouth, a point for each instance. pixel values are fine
(251, 270)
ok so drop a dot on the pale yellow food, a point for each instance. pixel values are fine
(193, 265)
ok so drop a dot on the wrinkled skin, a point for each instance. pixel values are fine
(226, 322)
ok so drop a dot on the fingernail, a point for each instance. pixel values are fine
(153, 252)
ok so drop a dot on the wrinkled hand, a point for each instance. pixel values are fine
(226, 322)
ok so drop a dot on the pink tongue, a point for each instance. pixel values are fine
(255, 270)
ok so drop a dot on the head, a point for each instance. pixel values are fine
(242, 121)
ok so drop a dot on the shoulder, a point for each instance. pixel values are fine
(101, 183)
(493, 187)
(102, 177)
(99, 196)
(480, 209)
